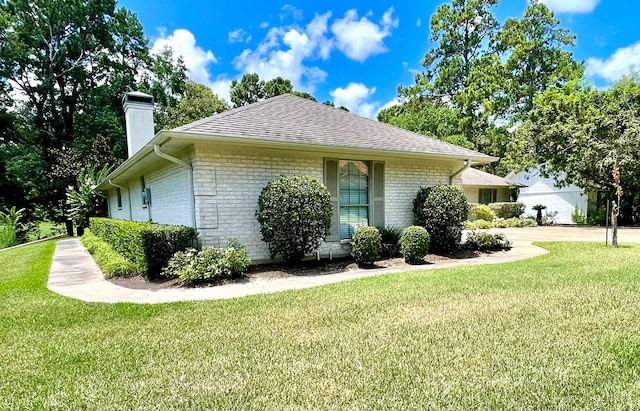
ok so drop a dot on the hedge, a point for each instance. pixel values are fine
(148, 245)
(507, 210)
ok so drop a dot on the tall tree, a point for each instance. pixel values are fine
(62, 56)
(166, 80)
(581, 133)
(248, 90)
(460, 69)
(251, 89)
(197, 102)
(536, 57)
(428, 117)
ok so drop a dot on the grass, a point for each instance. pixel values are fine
(559, 331)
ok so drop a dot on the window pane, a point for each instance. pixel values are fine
(352, 217)
(354, 196)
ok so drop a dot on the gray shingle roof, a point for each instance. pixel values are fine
(474, 177)
(291, 119)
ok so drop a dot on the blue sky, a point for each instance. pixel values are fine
(356, 53)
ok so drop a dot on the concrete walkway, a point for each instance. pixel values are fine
(75, 274)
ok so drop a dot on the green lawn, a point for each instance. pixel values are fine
(557, 332)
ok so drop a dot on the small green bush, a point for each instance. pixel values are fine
(507, 209)
(212, 264)
(500, 223)
(578, 216)
(480, 212)
(10, 226)
(111, 262)
(148, 245)
(366, 244)
(414, 244)
(294, 213)
(390, 241)
(442, 212)
(484, 241)
(478, 225)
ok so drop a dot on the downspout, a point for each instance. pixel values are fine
(467, 164)
(187, 166)
(128, 195)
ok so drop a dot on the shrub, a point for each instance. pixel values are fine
(578, 216)
(500, 223)
(111, 262)
(366, 244)
(507, 210)
(390, 240)
(478, 225)
(212, 264)
(414, 244)
(480, 212)
(9, 226)
(442, 213)
(483, 241)
(148, 245)
(294, 213)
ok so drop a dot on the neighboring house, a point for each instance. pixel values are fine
(484, 188)
(541, 190)
(209, 174)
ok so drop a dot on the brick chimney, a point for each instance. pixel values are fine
(138, 115)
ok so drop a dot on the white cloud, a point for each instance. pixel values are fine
(238, 36)
(571, 6)
(264, 24)
(284, 50)
(359, 39)
(622, 62)
(289, 10)
(418, 23)
(354, 97)
(197, 60)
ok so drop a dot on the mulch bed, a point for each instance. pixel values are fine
(267, 272)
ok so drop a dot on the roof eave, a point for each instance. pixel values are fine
(257, 142)
(190, 137)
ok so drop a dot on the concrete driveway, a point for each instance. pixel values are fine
(568, 233)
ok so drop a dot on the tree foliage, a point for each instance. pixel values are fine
(480, 77)
(70, 63)
(536, 58)
(580, 133)
(250, 89)
(197, 102)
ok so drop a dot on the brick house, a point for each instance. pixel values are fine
(209, 174)
(484, 188)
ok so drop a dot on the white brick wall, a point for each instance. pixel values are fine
(227, 184)
(403, 179)
(227, 187)
(169, 197)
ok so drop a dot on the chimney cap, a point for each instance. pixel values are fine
(138, 97)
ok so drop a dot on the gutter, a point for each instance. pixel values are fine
(128, 195)
(187, 166)
(467, 164)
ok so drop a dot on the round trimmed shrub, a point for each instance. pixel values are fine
(442, 210)
(480, 212)
(294, 213)
(414, 244)
(366, 244)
